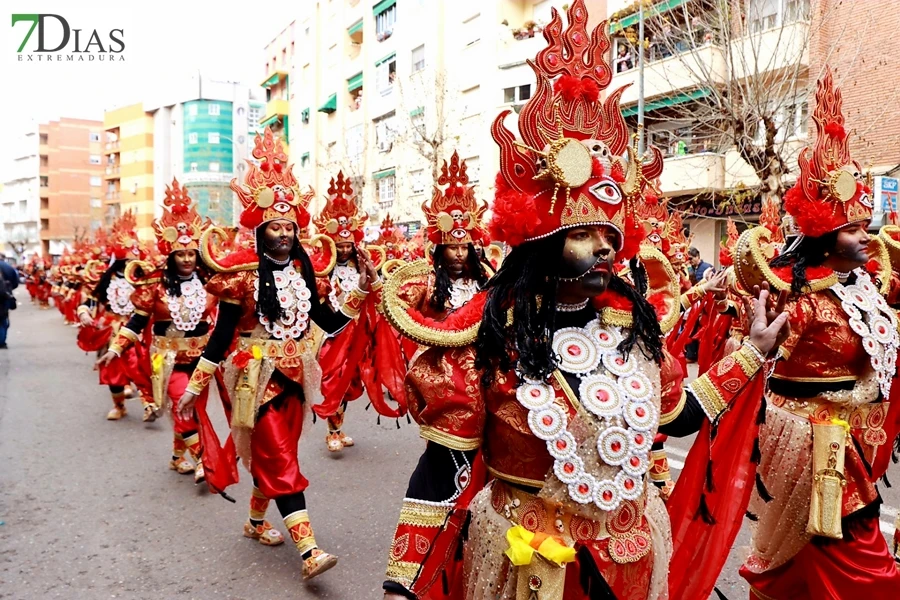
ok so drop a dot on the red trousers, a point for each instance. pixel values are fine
(178, 382)
(133, 365)
(860, 568)
(273, 446)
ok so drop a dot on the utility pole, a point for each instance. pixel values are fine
(640, 113)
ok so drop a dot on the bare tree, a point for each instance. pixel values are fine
(429, 114)
(742, 74)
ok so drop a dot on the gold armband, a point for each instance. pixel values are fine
(353, 305)
(123, 340)
(201, 376)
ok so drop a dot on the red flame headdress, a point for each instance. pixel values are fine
(340, 218)
(123, 242)
(270, 191)
(391, 238)
(571, 167)
(179, 227)
(662, 228)
(830, 192)
(454, 216)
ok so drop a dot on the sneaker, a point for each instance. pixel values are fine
(318, 562)
(265, 534)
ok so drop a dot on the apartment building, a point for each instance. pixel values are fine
(20, 201)
(279, 75)
(768, 55)
(128, 166)
(387, 90)
(70, 177)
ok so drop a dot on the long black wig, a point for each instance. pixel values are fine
(809, 252)
(171, 279)
(267, 300)
(527, 282)
(442, 282)
(103, 285)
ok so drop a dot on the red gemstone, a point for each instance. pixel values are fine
(635, 461)
(548, 420)
(620, 361)
(629, 484)
(639, 439)
(615, 446)
(569, 467)
(640, 411)
(574, 350)
(583, 488)
(577, 38)
(602, 396)
(635, 385)
(561, 444)
(604, 336)
(607, 495)
(535, 393)
(551, 58)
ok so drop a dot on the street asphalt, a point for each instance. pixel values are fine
(90, 510)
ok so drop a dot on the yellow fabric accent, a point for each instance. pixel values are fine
(522, 547)
(257, 352)
(157, 362)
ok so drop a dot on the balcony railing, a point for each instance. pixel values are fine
(691, 173)
(112, 195)
(112, 169)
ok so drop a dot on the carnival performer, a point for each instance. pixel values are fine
(366, 355)
(556, 373)
(828, 430)
(267, 299)
(173, 301)
(104, 312)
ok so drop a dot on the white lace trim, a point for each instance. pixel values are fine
(118, 294)
(293, 295)
(461, 291)
(613, 390)
(187, 310)
(875, 323)
(344, 279)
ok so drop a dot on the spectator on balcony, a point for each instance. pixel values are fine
(624, 60)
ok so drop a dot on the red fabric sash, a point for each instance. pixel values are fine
(219, 461)
(700, 548)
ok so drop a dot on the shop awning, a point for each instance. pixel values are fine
(355, 27)
(697, 94)
(273, 79)
(633, 19)
(385, 59)
(355, 82)
(330, 105)
(383, 6)
(383, 174)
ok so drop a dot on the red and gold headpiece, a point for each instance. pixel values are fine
(270, 191)
(179, 227)
(571, 167)
(662, 228)
(123, 242)
(830, 192)
(391, 238)
(340, 218)
(454, 215)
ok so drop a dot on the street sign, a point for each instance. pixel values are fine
(885, 194)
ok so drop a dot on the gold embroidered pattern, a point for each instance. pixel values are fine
(449, 440)
(710, 399)
(667, 417)
(423, 515)
(748, 360)
(402, 572)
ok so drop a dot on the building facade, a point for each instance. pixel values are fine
(20, 200)
(128, 178)
(71, 173)
(279, 75)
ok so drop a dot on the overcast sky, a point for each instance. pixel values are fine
(164, 39)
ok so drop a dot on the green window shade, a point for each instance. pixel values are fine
(355, 82)
(355, 27)
(668, 101)
(385, 59)
(383, 174)
(383, 6)
(330, 105)
(652, 12)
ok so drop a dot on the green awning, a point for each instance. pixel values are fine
(383, 6)
(417, 111)
(385, 59)
(355, 27)
(633, 19)
(355, 82)
(304, 157)
(269, 121)
(668, 101)
(271, 80)
(330, 105)
(383, 174)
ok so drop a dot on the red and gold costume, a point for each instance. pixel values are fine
(365, 356)
(550, 477)
(269, 367)
(828, 423)
(180, 322)
(109, 307)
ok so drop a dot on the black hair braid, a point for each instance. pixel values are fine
(267, 303)
(442, 282)
(645, 324)
(638, 275)
(103, 285)
(526, 282)
(809, 252)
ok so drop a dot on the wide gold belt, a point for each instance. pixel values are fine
(869, 418)
(278, 348)
(193, 346)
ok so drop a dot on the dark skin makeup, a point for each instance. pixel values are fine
(456, 257)
(587, 262)
(850, 249)
(279, 238)
(344, 251)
